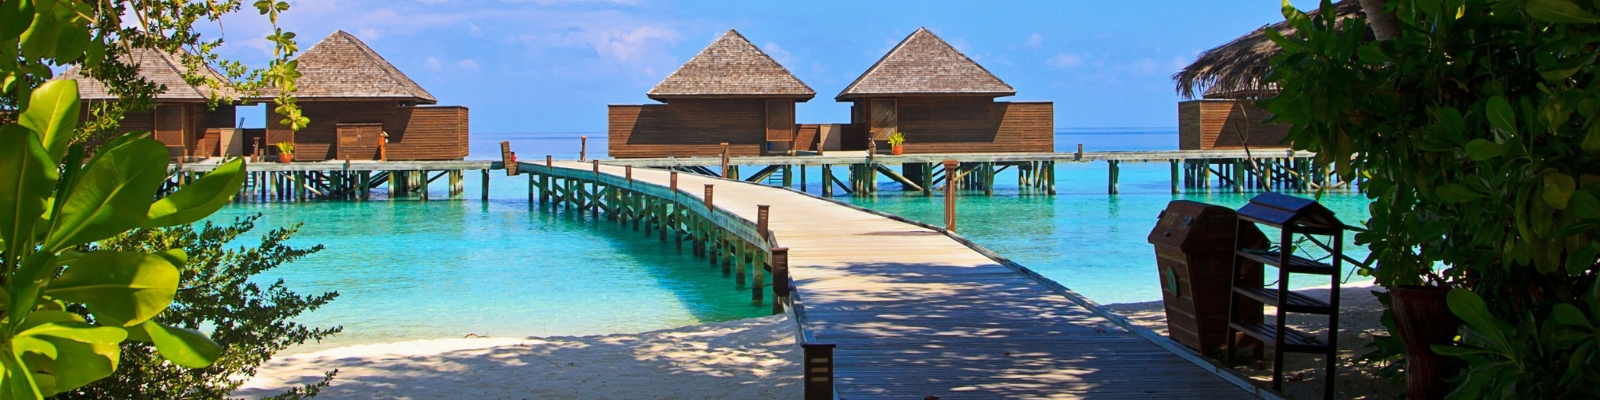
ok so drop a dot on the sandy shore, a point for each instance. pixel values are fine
(1359, 319)
(753, 358)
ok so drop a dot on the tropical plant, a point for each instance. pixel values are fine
(51, 205)
(897, 139)
(286, 148)
(1473, 125)
(251, 321)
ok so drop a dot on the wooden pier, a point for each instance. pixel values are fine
(1202, 170)
(889, 308)
(340, 180)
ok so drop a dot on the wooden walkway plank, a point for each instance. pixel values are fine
(915, 312)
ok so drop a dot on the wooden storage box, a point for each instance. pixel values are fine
(1194, 244)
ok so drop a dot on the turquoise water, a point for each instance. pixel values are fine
(408, 269)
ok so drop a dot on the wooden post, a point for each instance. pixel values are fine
(508, 159)
(485, 186)
(1175, 177)
(583, 147)
(628, 170)
(674, 182)
(762, 211)
(818, 367)
(1079, 155)
(724, 172)
(950, 167)
(709, 207)
(780, 278)
(827, 181)
(1114, 173)
(596, 171)
(544, 195)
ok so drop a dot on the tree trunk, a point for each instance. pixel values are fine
(1384, 26)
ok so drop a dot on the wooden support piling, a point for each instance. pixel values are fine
(950, 195)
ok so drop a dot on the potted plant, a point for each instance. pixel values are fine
(896, 142)
(285, 152)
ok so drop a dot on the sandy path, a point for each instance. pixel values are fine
(753, 358)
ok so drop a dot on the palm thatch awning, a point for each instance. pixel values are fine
(342, 67)
(924, 64)
(731, 67)
(164, 70)
(1235, 70)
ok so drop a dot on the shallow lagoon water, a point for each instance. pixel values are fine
(407, 269)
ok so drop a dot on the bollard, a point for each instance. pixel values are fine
(761, 220)
(724, 159)
(628, 170)
(674, 182)
(708, 198)
(950, 167)
(818, 370)
(780, 278)
(583, 147)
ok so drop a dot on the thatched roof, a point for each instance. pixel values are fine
(731, 67)
(162, 69)
(927, 65)
(1235, 70)
(342, 67)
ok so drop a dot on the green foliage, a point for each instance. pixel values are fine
(897, 139)
(1477, 135)
(286, 147)
(250, 321)
(49, 217)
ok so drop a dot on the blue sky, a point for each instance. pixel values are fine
(553, 65)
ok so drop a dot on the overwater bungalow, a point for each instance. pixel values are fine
(731, 92)
(181, 118)
(363, 108)
(943, 102)
(1228, 81)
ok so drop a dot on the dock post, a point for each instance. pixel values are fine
(788, 178)
(544, 196)
(780, 278)
(1175, 176)
(1114, 171)
(583, 147)
(423, 182)
(724, 156)
(1239, 173)
(1079, 155)
(628, 170)
(762, 212)
(674, 175)
(827, 181)
(950, 166)
(818, 367)
(485, 186)
(803, 185)
(709, 207)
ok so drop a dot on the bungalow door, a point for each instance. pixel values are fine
(780, 123)
(359, 141)
(170, 128)
(884, 118)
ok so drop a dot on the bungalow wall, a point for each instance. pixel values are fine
(1219, 124)
(959, 125)
(415, 133)
(688, 128)
(180, 126)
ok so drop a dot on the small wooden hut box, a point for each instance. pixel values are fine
(1194, 244)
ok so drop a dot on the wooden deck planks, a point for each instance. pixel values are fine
(915, 312)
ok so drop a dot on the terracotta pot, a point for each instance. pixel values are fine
(897, 150)
(285, 157)
(1424, 320)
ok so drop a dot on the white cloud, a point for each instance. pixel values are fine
(467, 64)
(778, 53)
(474, 30)
(1035, 40)
(369, 34)
(433, 63)
(1065, 60)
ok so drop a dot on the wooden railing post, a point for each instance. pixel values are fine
(1079, 155)
(674, 182)
(950, 168)
(583, 147)
(818, 370)
(780, 278)
(762, 210)
(724, 159)
(628, 170)
(596, 171)
(708, 198)
(549, 164)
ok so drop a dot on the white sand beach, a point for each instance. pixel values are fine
(752, 358)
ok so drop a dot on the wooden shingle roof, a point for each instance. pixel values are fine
(162, 69)
(1235, 70)
(731, 67)
(342, 67)
(925, 64)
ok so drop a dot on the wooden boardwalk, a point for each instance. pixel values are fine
(915, 312)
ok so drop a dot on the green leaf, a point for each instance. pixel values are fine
(15, 18)
(1584, 205)
(73, 42)
(39, 41)
(1570, 315)
(1558, 189)
(1560, 11)
(1501, 115)
(1372, 53)
(1470, 308)
(120, 288)
(27, 177)
(112, 195)
(1591, 140)
(84, 354)
(1455, 193)
(185, 347)
(198, 199)
(53, 113)
(1457, 351)
(1480, 149)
